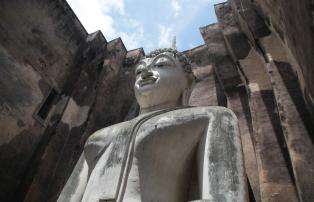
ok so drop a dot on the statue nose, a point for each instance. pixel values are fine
(146, 73)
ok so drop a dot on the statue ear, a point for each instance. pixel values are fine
(186, 94)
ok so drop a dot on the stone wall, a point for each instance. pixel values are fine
(204, 91)
(38, 53)
(87, 110)
(293, 22)
(57, 87)
(260, 79)
(281, 127)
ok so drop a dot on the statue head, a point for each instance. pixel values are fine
(163, 80)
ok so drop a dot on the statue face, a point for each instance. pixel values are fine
(159, 80)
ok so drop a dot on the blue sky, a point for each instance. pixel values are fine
(150, 24)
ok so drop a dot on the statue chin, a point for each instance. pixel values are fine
(150, 100)
(149, 96)
(165, 154)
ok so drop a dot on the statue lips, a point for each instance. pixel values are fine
(147, 81)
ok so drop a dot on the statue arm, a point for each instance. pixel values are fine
(74, 189)
(220, 159)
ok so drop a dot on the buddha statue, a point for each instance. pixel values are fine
(169, 153)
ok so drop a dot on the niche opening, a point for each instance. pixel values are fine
(43, 112)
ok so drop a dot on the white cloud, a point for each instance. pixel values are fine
(96, 15)
(136, 38)
(176, 7)
(107, 5)
(165, 36)
(216, 1)
(93, 17)
(113, 19)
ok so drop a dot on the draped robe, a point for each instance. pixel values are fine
(150, 159)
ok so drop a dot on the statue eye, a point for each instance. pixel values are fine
(139, 70)
(161, 62)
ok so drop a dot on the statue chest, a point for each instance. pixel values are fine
(177, 155)
(157, 154)
(164, 155)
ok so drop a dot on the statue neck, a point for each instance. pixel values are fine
(160, 107)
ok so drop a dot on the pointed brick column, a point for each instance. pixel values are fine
(229, 78)
(276, 182)
(294, 116)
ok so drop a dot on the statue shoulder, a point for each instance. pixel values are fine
(109, 133)
(117, 134)
(209, 110)
(188, 114)
(218, 110)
